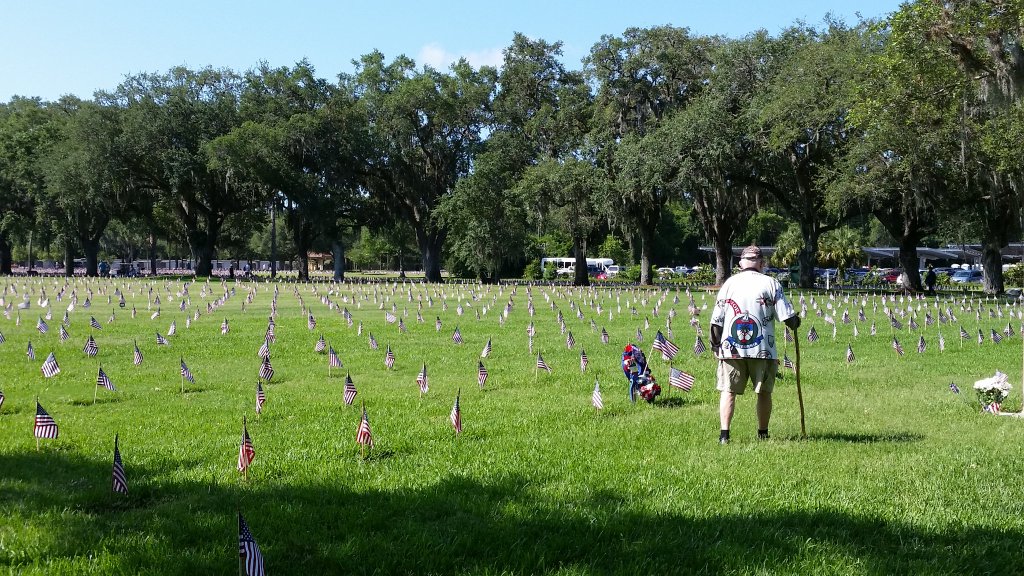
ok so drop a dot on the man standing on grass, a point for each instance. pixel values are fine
(743, 338)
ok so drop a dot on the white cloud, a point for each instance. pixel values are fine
(438, 57)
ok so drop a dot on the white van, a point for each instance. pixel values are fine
(612, 270)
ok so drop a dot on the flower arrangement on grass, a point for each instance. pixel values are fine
(992, 391)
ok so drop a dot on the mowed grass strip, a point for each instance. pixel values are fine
(898, 474)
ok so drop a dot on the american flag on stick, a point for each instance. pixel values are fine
(246, 452)
(363, 435)
(261, 397)
(91, 349)
(50, 367)
(311, 323)
(186, 373)
(349, 393)
(604, 336)
(64, 336)
(160, 340)
(118, 482)
(373, 342)
(103, 380)
(896, 346)
(94, 323)
(264, 350)
(225, 327)
(996, 337)
(849, 354)
(595, 398)
(421, 380)
(456, 415)
(321, 345)
(698, 346)
(481, 374)
(921, 345)
(541, 364)
(584, 360)
(30, 352)
(45, 426)
(266, 370)
(812, 335)
(569, 340)
(332, 358)
(457, 336)
(137, 355)
(42, 327)
(250, 558)
(487, 349)
(389, 358)
(680, 379)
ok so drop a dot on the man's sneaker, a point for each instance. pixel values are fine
(723, 441)
(762, 435)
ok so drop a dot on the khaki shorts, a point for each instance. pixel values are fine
(733, 374)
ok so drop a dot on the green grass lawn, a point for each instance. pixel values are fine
(897, 475)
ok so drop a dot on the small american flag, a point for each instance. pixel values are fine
(895, 323)
(487, 349)
(137, 356)
(874, 330)
(401, 326)
(481, 374)
(246, 452)
(50, 367)
(541, 364)
(921, 345)
(896, 346)
(421, 380)
(94, 323)
(248, 550)
(698, 346)
(913, 324)
(595, 398)
(996, 337)
(373, 342)
(954, 388)
(118, 482)
(457, 336)
(849, 354)
(264, 350)
(173, 329)
(963, 334)
(981, 337)
(1009, 329)
(604, 336)
(1, 399)
(186, 373)
(91, 349)
(321, 345)
(64, 336)
(639, 335)
(160, 340)
(812, 335)
(266, 370)
(363, 435)
(531, 330)
(584, 360)
(103, 380)
(30, 352)
(45, 426)
(680, 379)
(942, 343)
(349, 394)
(225, 327)
(42, 327)
(332, 358)
(437, 324)
(311, 323)
(569, 340)
(261, 397)
(389, 358)
(456, 415)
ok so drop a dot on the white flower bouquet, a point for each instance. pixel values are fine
(992, 391)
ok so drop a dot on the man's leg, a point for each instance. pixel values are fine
(764, 413)
(726, 407)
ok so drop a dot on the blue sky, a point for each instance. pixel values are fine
(50, 47)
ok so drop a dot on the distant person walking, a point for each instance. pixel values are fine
(743, 338)
(929, 279)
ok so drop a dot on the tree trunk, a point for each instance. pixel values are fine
(92, 249)
(205, 250)
(69, 258)
(808, 257)
(430, 251)
(581, 277)
(338, 249)
(5, 256)
(723, 258)
(646, 240)
(273, 240)
(909, 261)
(992, 260)
(152, 252)
(303, 259)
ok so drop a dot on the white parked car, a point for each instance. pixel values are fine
(612, 270)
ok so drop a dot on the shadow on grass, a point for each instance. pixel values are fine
(445, 526)
(894, 437)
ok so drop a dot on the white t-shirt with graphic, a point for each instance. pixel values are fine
(747, 306)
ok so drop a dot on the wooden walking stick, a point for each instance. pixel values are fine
(799, 392)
